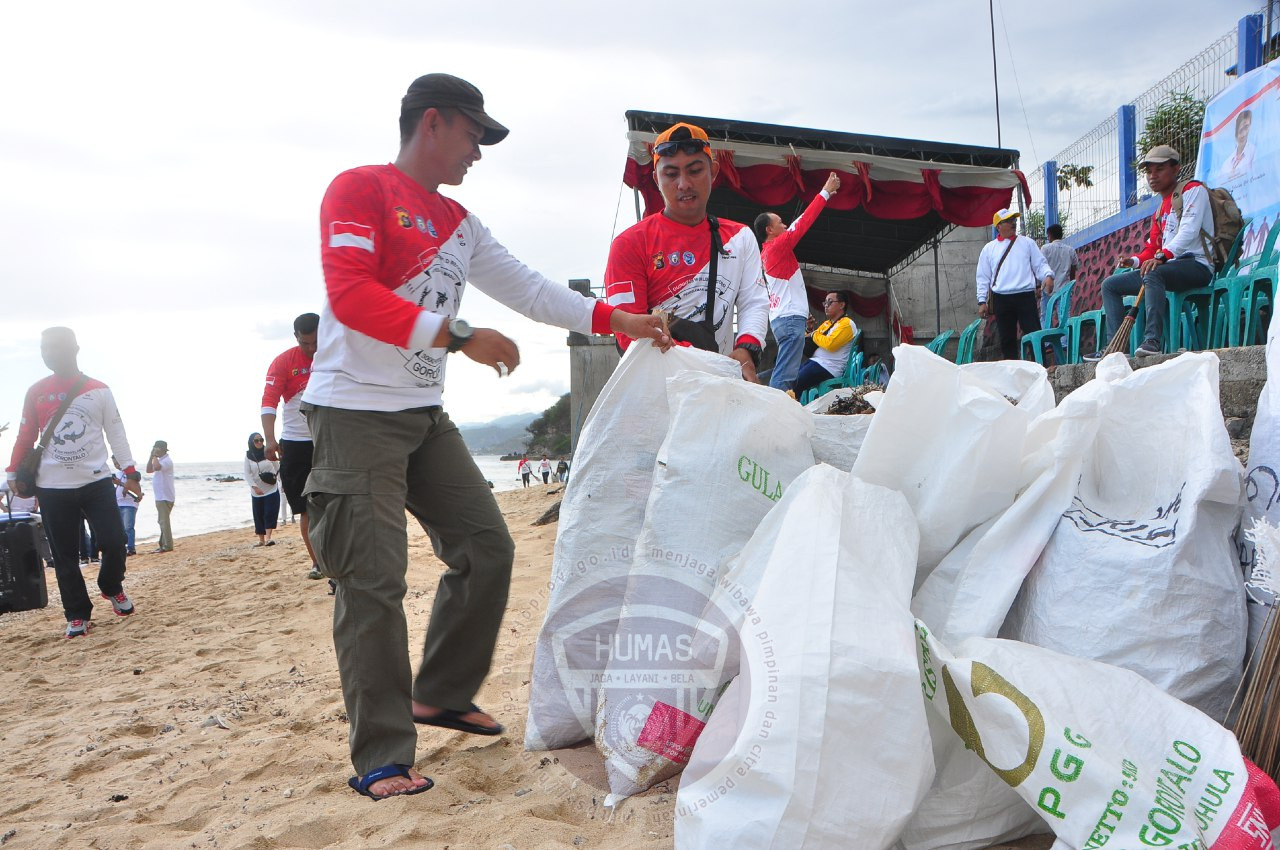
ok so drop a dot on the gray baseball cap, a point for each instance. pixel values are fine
(447, 90)
(1159, 154)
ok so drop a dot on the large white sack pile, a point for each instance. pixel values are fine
(761, 627)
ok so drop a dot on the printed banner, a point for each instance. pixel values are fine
(1240, 150)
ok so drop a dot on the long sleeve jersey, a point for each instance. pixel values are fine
(253, 470)
(1180, 237)
(286, 379)
(835, 344)
(1022, 269)
(76, 454)
(660, 263)
(396, 260)
(782, 270)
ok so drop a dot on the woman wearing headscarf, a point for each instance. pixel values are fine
(260, 474)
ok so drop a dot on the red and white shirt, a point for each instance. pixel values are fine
(1180, 238)
(396, 260)
(787, 296)
(660, 263)
(76, 454)
(286, 379)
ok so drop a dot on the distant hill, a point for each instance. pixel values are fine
(502, 435)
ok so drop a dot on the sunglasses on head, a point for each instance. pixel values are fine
(689, 146)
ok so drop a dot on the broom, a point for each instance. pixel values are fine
(1257, 727)
(1120, 341)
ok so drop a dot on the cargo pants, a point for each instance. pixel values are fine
(369, 468)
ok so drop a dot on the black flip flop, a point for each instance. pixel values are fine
(448, 718)
(361, 784)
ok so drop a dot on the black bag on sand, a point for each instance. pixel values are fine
(22, 586)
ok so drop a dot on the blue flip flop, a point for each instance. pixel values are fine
(452, 719)
(361, 784)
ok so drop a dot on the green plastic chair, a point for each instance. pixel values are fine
(852, 377)
(1075, 332)
(939, 342)
(1231, 294)
(964, 353)
(1262, 286)
(1058, 310)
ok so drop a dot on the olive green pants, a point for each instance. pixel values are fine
(369, 468)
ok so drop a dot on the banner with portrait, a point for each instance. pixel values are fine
(1240, 150)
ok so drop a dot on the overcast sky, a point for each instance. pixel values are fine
(163, 163)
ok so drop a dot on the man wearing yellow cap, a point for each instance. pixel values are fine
(1010, 271)
(665, 261)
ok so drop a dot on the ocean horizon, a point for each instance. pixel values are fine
(204, 503)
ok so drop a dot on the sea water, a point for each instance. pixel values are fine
(206, 502)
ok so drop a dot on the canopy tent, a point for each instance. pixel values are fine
(897, 194)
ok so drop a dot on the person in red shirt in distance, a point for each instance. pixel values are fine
(286, 379)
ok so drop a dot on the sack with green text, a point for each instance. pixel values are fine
(600, 518)
(1104, 757)
(730, 452)
(822, 739)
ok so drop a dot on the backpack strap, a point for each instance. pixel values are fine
(1176, 206)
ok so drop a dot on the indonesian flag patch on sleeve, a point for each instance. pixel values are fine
(622, 292)
(350, 234)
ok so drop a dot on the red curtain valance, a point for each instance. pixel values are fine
(779, 185)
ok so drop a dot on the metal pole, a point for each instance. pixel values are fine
(995, 78)
(937, 286)
(635, 193)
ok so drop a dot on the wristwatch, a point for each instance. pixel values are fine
(460, 334)
(753, 351)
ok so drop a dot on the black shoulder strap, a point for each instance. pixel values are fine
(996, 276)
(709, 317)
(62, 411)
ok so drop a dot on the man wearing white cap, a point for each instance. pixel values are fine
(1010, 271)
(1173, 257)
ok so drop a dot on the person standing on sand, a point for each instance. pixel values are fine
(397, 257)
(260, 475)
(524, 470)
(74, 478)
(286, 379)
(160, 465)
(545, 468)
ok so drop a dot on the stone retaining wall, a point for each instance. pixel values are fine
(1241, 374)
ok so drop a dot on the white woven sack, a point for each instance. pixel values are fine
(600, 519)
(1101, 755)
(1141, 571)
(731, 450)
(821, 742)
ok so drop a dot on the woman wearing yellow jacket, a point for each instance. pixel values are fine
(834, 338)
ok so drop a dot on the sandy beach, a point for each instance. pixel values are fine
(214, 718)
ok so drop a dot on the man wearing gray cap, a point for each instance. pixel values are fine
(1173, 258)
(397, 256)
